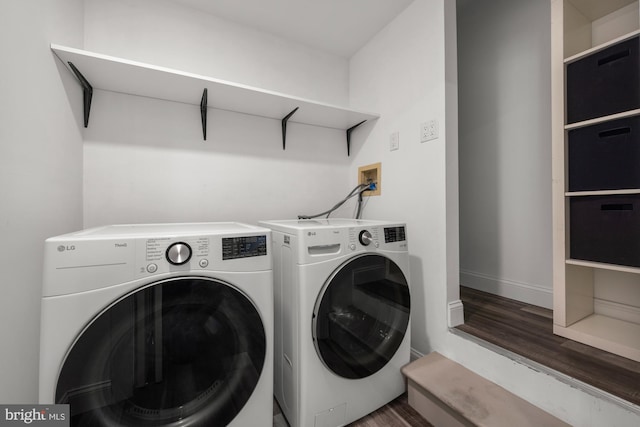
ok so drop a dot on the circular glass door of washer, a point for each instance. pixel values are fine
(185, 351)
(361, 316)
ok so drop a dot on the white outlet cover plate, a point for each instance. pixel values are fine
(428, 130)
(394, 141)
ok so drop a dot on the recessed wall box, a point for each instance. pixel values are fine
(368, 174)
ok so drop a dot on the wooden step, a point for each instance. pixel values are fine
(446, 393)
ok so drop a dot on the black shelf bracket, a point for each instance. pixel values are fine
(284, 127)
(349, 136)
(203, 113)
(87, 92)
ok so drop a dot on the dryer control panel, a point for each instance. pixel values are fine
(391, 238)
(322, 243)
(363, 237)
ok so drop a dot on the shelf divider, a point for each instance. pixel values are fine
(613, 335)
(600, 47)
(603, 266)
(602, 192)
(597, 120)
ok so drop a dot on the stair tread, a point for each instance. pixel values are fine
(475, 398)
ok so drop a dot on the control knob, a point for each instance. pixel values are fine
(365, 238)
(178, 253)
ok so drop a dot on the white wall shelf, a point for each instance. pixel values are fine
(602, 192)
(603, 266)
(135, 78)
(595, 9)
(601, 47)
(614, 335)
(603, 119)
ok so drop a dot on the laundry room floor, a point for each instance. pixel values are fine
(527, 330)
(396, 413)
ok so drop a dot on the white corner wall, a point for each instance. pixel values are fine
(40, 171)
(505, 151)
(145, 159)
(401, 74)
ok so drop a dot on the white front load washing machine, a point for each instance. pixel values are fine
(342, 309)
(159, 325)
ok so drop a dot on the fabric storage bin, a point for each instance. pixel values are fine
(605, 156)
(605, 82)
(605, 229)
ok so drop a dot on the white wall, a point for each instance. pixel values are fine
(165, 33)
(393, 75)
(40, 172)
(145, 160)
(505, 150)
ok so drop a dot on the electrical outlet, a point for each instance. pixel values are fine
(428, 130)
(394, 141)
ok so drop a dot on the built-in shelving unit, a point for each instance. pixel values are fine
(136, 78)
(581, 28)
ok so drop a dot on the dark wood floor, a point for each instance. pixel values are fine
(528, 331)
(396, 413)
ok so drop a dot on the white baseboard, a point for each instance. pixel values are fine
(617, 311)
(415, 354)
(531, 294)
(455, 313)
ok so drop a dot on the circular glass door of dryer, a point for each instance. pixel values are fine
(361, 316)
(182, 351)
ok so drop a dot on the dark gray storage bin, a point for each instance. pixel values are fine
(605, 229)
(605, 82)
(605, 156)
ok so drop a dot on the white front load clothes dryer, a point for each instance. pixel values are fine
(342, 310)
(159, 325)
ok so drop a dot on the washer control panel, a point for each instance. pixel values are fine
(164, 254)
(169, 254)
(244, 247)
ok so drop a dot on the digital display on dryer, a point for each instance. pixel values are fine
(244, 247)
(394, 234)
